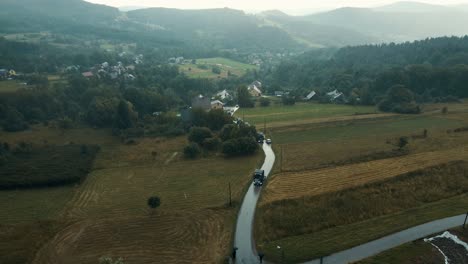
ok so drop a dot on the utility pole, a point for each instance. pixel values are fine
(230, 197)
(264, 126)
(464, 223)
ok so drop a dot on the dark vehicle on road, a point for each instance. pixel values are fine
(260, 137)
(259, 177)
(268, 141)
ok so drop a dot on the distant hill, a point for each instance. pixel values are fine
(221, 28)
(228, 29)
(131, 8)
(18, 15)
(397, 26)
(411, 7)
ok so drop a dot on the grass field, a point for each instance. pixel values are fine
(236, 68)
(299, 113)
(365, 128)
(314, 245)
(414, 252)
(193, 224)
(330, 154)
(10, 86)
(318, 145)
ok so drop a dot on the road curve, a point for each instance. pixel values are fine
(243, 240)
(374, 247)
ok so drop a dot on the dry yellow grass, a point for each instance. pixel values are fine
(168, 237)
(107, 214)
(307, 183)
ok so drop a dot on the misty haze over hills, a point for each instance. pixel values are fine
(227, 28)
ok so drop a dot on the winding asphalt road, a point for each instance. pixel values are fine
(244, 241)
(247, 254)
(374, 247)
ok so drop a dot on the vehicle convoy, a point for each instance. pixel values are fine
(259, 177)
(260, 137)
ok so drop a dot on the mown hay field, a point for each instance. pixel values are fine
(161, 237)
(314, 182)
(192, 225)
(321, 159)
(315, 226)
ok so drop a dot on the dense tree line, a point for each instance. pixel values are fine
(432, 69)
(148, 104)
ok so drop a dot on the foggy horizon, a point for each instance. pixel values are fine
(292, 7)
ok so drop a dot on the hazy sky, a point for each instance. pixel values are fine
(256, 5)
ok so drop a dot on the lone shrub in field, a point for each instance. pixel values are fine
(192, 151)
(199, 134)
(154, 202)
(240, 146)
(211, 143)
(402, 142)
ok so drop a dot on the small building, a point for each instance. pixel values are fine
(201, 102)
(310, 95)
(333, 95)
(3, 73)
(224, 95)
(258, 84)
(254, 90)
(87, 74)
(279, 93)
(217, 105)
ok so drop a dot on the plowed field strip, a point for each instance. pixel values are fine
(308, 183)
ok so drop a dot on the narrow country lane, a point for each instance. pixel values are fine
(246, 253)
(374, 247)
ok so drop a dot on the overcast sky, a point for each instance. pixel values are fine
(257, 5)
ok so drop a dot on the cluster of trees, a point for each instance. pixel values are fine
(127, 106)
(432, 70)
(233, 140)
(26, 165)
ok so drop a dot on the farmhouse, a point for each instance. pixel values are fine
(224, 95)
(217, 105)
(201, 102)
(333, 95)
(3, 73)
(87, 74)
(254, 89)
(310, 95)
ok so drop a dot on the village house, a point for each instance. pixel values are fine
(3, 73)
(87, 74)
(201, 102)
(335, 96)
(224, 95)
(217, 105)
(255, 89)
(279, 93)
(310, 95)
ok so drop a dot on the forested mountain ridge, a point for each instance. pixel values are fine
(228, 29)
(222, 28)
(432, 69)
(396, 26)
